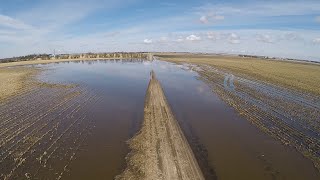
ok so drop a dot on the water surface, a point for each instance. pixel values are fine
(231, 147)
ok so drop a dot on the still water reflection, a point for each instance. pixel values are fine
(228, 145)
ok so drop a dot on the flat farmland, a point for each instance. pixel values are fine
(281, 98)
(106, 119)
(298, 76)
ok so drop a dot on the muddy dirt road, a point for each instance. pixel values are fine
(160, 150)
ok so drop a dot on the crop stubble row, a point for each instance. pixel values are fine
(42, 129)
(291, 117)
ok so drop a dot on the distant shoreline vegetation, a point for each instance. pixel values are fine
(116, 55)
(137, 55)
(275, 58)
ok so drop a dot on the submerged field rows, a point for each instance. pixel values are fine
(42, 129)
(289, 116)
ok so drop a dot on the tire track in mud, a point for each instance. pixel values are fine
(228, 82)
(291, 117)
(160, 150)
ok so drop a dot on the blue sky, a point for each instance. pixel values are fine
(274, 28)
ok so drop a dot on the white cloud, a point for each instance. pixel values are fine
(38, 29)
(55, 14)
(179, 39)
(7, 32)
(264, 8)
(10, 22)
(168, 4)
(210, 18)
(266, 38)
(218, 17)
(204, 19)
(291, 36)
(234, 41)
(147, 41)
(44, 28)
(233, 38)
(163, 40)
(193, 37)
(316, 40)
(212, 35)
(225, 43)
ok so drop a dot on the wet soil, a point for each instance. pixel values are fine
(160, 149)
(75, 121)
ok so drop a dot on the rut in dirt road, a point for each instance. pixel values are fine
(160, 150)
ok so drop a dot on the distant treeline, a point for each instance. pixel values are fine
(264, 57)
(116, 55)
(274, 58)
(26, 58)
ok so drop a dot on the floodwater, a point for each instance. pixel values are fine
(227, 146)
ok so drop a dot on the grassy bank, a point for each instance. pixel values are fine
(12, 81)
(304, 77)
(21, 63)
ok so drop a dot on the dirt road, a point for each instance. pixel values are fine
(160, 150)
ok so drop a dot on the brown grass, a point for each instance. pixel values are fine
(304, 77)
(21, 63)
(12, 80)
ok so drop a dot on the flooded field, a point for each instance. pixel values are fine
(74, 119)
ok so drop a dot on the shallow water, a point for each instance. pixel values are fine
(228, 145)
